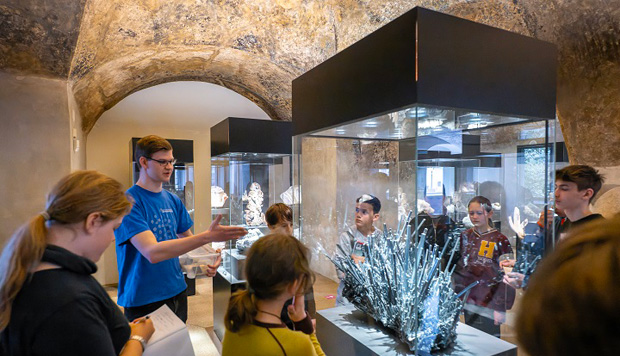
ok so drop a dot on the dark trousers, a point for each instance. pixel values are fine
(178, 304)
(482, 323)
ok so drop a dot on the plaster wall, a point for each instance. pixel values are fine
(109, 151)
(36, 145)
(77, 137)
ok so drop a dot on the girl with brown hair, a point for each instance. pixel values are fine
(279, 219)
(49, 302)
(480, 248)
(277, 269)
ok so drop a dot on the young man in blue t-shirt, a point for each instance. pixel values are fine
(154, 234)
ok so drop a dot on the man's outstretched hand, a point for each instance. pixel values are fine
(219, 233)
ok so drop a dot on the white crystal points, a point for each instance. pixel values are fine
(218, 196)
(254, 210)
(291, 196)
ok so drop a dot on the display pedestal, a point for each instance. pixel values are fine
(191, 285)
(236, 263)
(347, 331)
(224, 285)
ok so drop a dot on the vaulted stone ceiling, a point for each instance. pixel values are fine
(39, 37)
(108, 49)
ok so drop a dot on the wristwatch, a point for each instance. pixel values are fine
(139, 338)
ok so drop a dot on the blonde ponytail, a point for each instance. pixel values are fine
(72, 199)
(241, 310)
(19, 257)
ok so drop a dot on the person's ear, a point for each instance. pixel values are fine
(375, 217)
(588, 193)
(293, 288)
(93, 220)
(143, 162)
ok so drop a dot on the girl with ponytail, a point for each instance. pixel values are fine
(277, 270)
(49, 302)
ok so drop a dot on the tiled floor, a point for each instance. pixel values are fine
(200, 314)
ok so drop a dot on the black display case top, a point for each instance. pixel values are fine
(239, 135)
(428, 58)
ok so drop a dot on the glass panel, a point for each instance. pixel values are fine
(244, 185)
(432, 162)
(402, 124)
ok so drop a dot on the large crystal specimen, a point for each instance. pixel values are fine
(401, 284)
(254, 211)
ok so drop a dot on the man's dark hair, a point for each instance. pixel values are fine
(584, 176)
(148, 145)
(372, 200)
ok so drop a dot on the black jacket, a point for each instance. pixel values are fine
(64, 311)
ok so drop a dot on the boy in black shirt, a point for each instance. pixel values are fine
(575, 187)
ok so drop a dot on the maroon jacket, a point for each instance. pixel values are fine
(479, 261)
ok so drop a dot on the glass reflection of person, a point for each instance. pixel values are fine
(480, 248)
(436, 223)
(367, 209)
(279, 219)
(496, 194)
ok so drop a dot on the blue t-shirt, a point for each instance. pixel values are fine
(141, 282)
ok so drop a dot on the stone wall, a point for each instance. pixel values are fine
(36, 143)
(110, 49)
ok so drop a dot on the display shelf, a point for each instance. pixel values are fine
(236, 262)
(217, 211)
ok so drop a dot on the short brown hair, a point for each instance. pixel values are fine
(148, 145)
(584, 176)
(278, 213)
(572, 305)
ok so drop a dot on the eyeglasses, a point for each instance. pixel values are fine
(163, 162)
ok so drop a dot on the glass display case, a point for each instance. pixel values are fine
(244, 185)
(427, 113)
(250, 171)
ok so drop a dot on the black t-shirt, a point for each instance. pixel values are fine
(570, 225)
(64, 311)
(437, 228)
